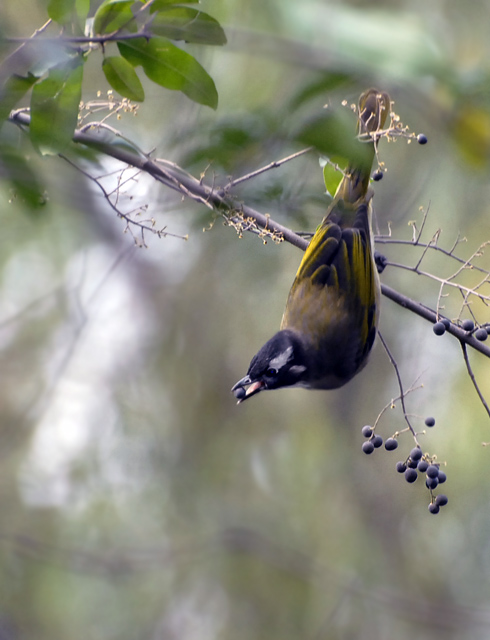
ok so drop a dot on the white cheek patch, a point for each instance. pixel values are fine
(297, 369)
(283, 358)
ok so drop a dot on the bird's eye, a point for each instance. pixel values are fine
(271, 373)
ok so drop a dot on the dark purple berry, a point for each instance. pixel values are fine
(433, 507)
(439, 329)
(391, 444)
(481, 334)
(432, 471)
(468, 325)
(377, 441)
(441, 477)
(368, 447)
(240, 393)
(422, 466)
(367, 431)
(381, 261)
(430, 422)
(421, 139)
(377, 175)
(431, 483)
(441, 500)
(412, 464)
(446, 322)
(401, 467)
(416, 454)
(410, 475)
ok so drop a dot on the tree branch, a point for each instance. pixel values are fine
(430, 315)
(184, 183)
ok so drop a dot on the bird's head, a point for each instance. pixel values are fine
(281, 362)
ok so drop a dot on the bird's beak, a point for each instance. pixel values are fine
(241, 393)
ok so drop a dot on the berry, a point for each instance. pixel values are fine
(416, 454)
(401, 467)
(240, 393)
(432, 471)
(368, 447)
(481, 334)
(381, 261)
(377, 441)
(439, 329)
(446, 322)
(367, 431)
(442, 477)
(430, 422)
(422, 466)
(433, 507)
(410, 475)
(421, 139)
(468, 325)
(431, 483)
(412, 464)
(377, 175)
(441, 500)
(391, 444)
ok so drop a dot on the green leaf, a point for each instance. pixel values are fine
(120, 74)
(191, 25)
(333, 134)
(14, 167)
(61, 11)
(82, 8)
(54, 107)
(167, 65)
(114, 14)
(65, 12)
(12, 91)
(331, 175)
(161, 4)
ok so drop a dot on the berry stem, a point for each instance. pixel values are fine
(400, 386)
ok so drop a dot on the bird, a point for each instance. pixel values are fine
(331, 316)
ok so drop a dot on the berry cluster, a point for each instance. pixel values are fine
(480, 333)
(416, 463)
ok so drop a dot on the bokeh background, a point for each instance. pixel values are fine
(137, 500)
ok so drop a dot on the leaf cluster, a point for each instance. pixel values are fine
(143, 34)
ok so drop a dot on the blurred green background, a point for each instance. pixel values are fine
(137, 499)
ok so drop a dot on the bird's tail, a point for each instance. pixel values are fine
(373, 109)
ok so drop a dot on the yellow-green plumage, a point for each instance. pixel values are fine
(337, 273)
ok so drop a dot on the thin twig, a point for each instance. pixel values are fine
(7, 62)
(388, 239)
(445, 282)
(472, 377)
(143, 226)
(272, 165)
(400, 386)
(392, 403)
